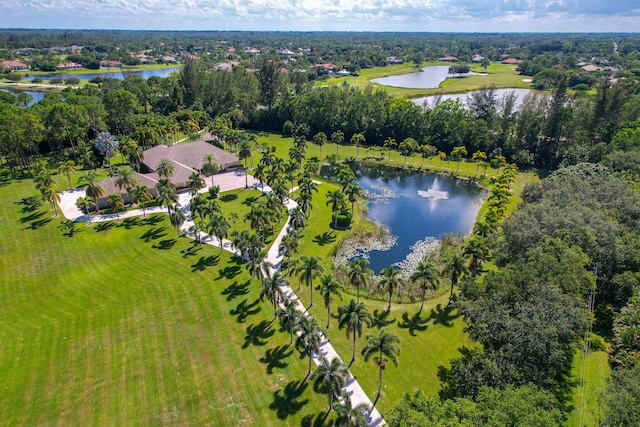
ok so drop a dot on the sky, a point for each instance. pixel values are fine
(327, 15)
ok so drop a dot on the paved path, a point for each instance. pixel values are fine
(230, 181)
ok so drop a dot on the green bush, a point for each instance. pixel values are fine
(343, 220)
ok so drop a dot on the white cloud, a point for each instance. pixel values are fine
(361, 15)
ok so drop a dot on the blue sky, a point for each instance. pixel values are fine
(327, 15)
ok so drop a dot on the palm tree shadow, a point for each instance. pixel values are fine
(229, 272)
(191, 250)
(205, 262)
(443, 316)
(235, 290)
(244, 310)
(165, 244)
(105, 226)
(285, 401)
(317, 420)
(413, 324)
(325, 238)
(69, 228)
(380, 319)
(29, 204)
(153, 234)
(32, 217)
(151, 220)
(274, 358)
(258, 334)
(129, 223)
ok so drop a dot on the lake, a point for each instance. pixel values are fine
(37, 96)
(499, 94)
(428, 78)
(417, 208)
(116, 74)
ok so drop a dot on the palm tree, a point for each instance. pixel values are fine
(166, 194)
(289, 244)
(390, 279)
(352, 317)
(358, 274)
(476, 248)
(210, 166)
(116, 203)
(427, 274)
(84, 204)
(271, 289)
(320, 139)
(218, 226)
(50, 194)
(309, 336)
(244, 153)
(288, 315)
(304, 200)
(337, 201)
(140, 194)
(195, 183)
(337, 138)
(442, 156)
(458, 152)
(353, 191)
(94, 189)
(330, 374)
(478, 157)
(176, 216)
(125, 178)
(385, 344)
(309, 270)
(165, 168)
(357, 139)
(297, 218)
(329, 287)
(348, 415)
(388, 144)
(67, 168)
(233, 216)
(455, 267)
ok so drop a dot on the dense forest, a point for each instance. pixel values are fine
(567, 259)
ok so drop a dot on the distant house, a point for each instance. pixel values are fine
(194, 57)
(286, 52)
(326, 66)
(68, 66)
(15, 65)
(448, 58)
(511, 61)
(392, 60)
(251, 50)
(169, 60)
(592, 67)
(343, 73)
(105, 63)
(226, 66)
(477, 58)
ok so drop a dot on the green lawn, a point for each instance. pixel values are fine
(124, 324)
(586, 397)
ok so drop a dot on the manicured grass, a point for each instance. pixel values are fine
(125, 324)
(586, 397)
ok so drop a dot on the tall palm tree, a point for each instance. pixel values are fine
(442, 156)
(329, 287)
(289, 316)
(297, 218)
(352, 317)
(455, 267)
(50, 194)
(349, 415)
(271, 288)
(84, 204)
(166, 194)
(309, 336)
(385, 344)
(244, 153)
(337, 138)
(67, 168)
(304, 200)
(476, 248)
(309, 270)
(478, 157)
(330, 374)
(388, 144)
(125, 177)
(457, 153)
(94, 189)
(165, 168)
(195, 183)
(390, 280)
(218, 226)
(426, 274)
(140, 194)
(358, 274)
(353, 191)
(289, 245)
(337, 201)
(357, 139)
(320, 139)
(176, 216)
(116, 203)
(210, 166)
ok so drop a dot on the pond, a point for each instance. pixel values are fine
(428, 78)
(37, 96)
(499, 94)
(116, 74)
(416, 207)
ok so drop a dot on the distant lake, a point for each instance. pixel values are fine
(415, 205)
(499, 94)
(37, 96)
(428, 78)
(115, 74)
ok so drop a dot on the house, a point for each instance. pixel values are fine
(343, 73)
(511, 61)
(448, 58)
(285, 52)
(251, 50)
(592, 67)
(477, 58)
(15, 65)
(109, 185)
(226, 66)
(105, 63)
(68, 66)
(169, 60)
(326, 66)
(392, 60)
(193, 57)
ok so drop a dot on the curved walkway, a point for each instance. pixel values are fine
(274, 256)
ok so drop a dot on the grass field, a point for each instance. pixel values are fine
(586, 398)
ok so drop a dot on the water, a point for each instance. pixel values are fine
(37, 96)
(499, 94)
(428, 78)
(415, 205)
(116, 74)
